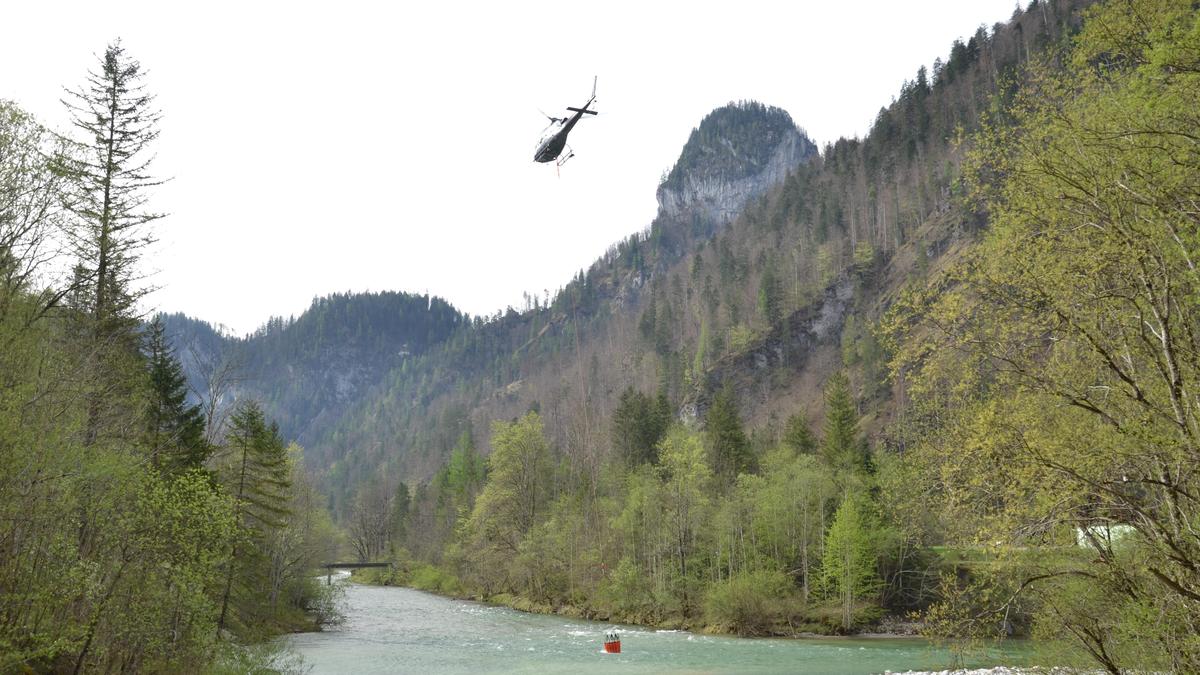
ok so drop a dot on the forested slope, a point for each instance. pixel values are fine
(771, 298)
(306, 370)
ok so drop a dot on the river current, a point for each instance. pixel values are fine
(400, 630)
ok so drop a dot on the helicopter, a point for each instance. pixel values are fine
(554, 138)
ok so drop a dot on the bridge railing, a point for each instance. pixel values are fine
(330, 567)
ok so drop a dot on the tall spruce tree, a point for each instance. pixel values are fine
(729, 448)
(638, 424)
(841, 446)
(255, 474)
(175, 430)
(107, 176)
(770, 296)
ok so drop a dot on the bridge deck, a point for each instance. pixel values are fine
(355, 565)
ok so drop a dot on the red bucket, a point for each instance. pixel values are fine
(612, 642)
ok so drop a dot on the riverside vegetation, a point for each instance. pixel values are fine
(136, 532)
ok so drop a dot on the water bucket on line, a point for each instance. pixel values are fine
(612, 642)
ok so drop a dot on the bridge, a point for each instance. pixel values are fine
(330, 567)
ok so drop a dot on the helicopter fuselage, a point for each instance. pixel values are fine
(555, 139)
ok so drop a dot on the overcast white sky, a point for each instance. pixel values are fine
(324, 147)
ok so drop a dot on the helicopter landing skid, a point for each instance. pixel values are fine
(563, 160)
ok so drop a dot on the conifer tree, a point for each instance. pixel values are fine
(729, 448)
(798, 436)
(465, 472)
(107, 177)
(175, 430)
(841, 446)
(770, 296)
(255, 475)
(638, 424)
(663, 416)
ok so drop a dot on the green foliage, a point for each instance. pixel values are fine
(465, 472)
(175, 429)
(864, 257)
(728, 446)
(1050, 366)
(512, 500)
(401, 508)
(703, 349)
(848, 571)
(434, 579)
(117, 540)
(842, 448)
(748, 604)
(638, 424)
(740, 338)
(106, 179)
(798, 435)
(770, 297)
(254, 470)
(789, 516)
(30, 191)
(630, 592)
(257, 659)
(686, 504)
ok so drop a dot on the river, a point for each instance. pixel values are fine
(400, 630)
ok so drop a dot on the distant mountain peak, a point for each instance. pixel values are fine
(737, 152)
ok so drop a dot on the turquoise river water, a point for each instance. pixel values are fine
(399, 630)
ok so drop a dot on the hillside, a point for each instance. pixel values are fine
(307, 370)
(756, 295)
(766, 268)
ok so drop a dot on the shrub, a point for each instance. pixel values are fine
(435, 580)
(748, 604)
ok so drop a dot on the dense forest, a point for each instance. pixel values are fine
(306, 370)
(138, 533)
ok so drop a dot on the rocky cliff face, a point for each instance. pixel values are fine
(736, 153)
(786, 349)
